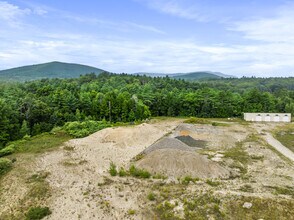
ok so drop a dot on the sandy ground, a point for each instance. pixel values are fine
(76, 173)
(81, 187)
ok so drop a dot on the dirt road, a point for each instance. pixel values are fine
(274, 142)
(278, 146)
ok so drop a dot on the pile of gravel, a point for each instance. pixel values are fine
(188, 140)
(179, 163)
(168, 143)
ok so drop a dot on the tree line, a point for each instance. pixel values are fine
(34, 107)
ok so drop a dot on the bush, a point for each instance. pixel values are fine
(151, 196)
(212, 183)
(5, 165)
(7, 150)
(36, 213)
(112, 169)
(85, 128)
(187, 179)
(193, 120)
(131, 212)
(122, 172)
(140, 173)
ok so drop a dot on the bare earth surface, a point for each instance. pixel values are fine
(72, 183)
(275, 143)
(82, 188)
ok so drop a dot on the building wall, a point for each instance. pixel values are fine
(268, 117)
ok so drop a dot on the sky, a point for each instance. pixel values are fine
(237, 37)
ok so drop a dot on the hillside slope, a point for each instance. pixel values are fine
(197, 76)
(189, 76)
(47, 70)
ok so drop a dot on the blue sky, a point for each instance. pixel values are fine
(243, 38)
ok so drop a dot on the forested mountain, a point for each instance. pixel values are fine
(189, 76)
(38, 106)
(47, 70)
(70, 70)
(196, 76)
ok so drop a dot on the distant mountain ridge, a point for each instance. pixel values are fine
(53, 69)
(189, 76)
(57, 69)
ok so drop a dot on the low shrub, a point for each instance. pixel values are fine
(122, 172)
(82, 129)
(7, 150)
(140, 173)
(187, 179)
(193, 120)
(151, 196)
(5, 165)
(212, 183)
(112, 169)
(131, 212)
(36, 213)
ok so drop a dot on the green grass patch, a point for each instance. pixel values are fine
(279, 190)
(36, 213)
(220, 124)
(41, 143)
(262, 208)
(238, 153)
(285, 134)
(5, 166)
(201, 206)
(39, 190)
(193, 120)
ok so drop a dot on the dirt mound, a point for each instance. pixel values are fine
(168, 143)
(184, 133)
(179, 163)
(191, 141)
(130, 136)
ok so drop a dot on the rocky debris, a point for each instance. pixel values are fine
(247, 205)
(179, 163)
(217, 157)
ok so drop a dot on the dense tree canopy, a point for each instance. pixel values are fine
(34, 107)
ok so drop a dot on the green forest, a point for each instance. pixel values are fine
(31, 108)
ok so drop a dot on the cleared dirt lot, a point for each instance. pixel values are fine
(243, 169)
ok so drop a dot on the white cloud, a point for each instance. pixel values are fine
(279, 28)
(11, 14)
(155, 56)
(177, 8)
(268, 51)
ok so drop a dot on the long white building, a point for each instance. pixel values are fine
(268, 117)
